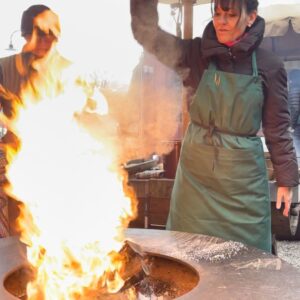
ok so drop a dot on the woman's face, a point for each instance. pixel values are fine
(230, 25)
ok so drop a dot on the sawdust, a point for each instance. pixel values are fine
(209, 249)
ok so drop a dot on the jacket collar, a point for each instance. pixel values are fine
(212, 48)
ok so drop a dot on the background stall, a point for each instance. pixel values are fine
(282, 36)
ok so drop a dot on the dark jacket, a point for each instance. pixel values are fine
(17, 72)
(191, 57)
(13, 75)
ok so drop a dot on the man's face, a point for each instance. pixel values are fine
(46, 30)
(40, 43)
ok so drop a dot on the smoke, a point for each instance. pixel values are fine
(144, 97)
(149, 113)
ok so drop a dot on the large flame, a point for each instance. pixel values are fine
(74, 208)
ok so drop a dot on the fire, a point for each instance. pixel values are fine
(65, 173)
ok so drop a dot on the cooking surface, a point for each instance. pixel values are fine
(167, 278)
(228, 270)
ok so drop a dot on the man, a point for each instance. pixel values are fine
(40, 28)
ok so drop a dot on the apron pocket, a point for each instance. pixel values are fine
(228, 171)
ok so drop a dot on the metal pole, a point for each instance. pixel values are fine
(188, 18)
(187, 34)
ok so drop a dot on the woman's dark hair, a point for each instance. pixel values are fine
(249, 5)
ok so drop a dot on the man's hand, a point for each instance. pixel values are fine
(284, 194)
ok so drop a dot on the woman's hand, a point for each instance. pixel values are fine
(284, 194)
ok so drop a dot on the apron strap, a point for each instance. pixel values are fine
(254, 64)
(212, 65)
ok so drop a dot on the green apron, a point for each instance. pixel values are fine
(221, 186)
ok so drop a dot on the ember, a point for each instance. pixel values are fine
(167, 278)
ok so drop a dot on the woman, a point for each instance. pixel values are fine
(221, 184)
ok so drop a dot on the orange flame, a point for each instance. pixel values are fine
(74, 210)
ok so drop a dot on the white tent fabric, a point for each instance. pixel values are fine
(278, 17)
(176, 1)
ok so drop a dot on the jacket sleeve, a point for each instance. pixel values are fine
(1, 82)
(3, 101)
(277, 127)
(169, 49)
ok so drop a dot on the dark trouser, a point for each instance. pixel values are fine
(9, 207)
(4, 219)
(9, 212)
(4, 224)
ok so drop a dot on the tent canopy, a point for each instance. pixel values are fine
(177, 1)
(278, 16)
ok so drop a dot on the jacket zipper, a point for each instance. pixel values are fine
(232, 58)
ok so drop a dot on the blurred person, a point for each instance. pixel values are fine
(294, 105)
(294, 95)
(221, 185)
(40, 28)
